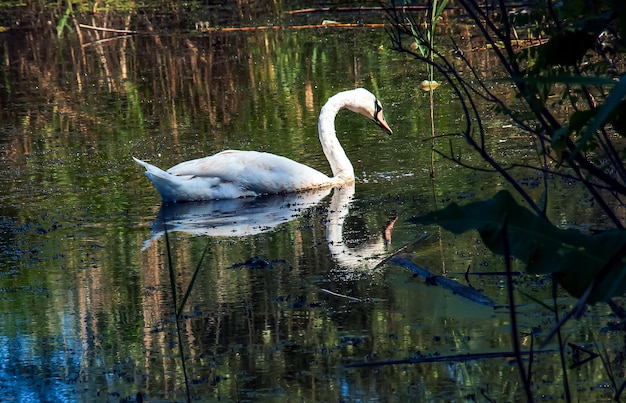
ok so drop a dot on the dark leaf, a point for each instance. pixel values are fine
(565, 48)
(575, 259)
(604, 113)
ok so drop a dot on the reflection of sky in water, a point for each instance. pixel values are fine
(40, 369)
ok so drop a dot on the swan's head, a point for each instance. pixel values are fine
(366, 103)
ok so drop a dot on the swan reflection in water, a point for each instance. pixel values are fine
(353, 261)
(233, 217)
(253, 215)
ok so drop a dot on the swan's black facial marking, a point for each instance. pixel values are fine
(379, 117)
(378, 110)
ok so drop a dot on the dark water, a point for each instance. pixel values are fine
(282, 294)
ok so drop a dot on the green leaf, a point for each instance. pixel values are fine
(604, 112)
(559, 142)
(579, 119)
(62, 24)
(574, 259)
(440, 8)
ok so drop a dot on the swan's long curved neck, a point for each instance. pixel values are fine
(343, 172)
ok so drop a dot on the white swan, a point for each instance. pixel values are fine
(232, 174)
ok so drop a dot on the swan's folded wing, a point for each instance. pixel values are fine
(253, 170)
(226, 165)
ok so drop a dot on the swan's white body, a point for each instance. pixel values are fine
(232, 174)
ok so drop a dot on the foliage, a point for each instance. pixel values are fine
(577, 131)
(92, 5)
(425, 38)
(583, 264)
(565, 61)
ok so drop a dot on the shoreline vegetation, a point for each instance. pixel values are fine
(244, 16)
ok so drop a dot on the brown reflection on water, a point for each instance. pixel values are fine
(75, 109)
(245, 327)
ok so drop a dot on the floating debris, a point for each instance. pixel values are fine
(428, 85)
(258, 263)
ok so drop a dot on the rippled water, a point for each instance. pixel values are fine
(285, 298)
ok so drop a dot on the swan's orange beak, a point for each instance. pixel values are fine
(379, 118)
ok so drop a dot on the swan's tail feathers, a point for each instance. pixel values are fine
(148, 167)
(174, 188)
(153, 172)
(168, 185)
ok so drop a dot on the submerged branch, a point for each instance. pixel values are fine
(353, 9)
(325, 24)
(445, 358)
(462, 290)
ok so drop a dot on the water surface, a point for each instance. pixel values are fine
(90, 288)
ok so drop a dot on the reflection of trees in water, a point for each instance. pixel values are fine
(165, 81)
(156, 69)
(256, 327)
(247, 328)
(80, 91)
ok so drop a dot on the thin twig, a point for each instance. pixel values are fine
(103, 40)
(512, 312)
(349, 9)
(178, 331)
(117, 31)
(279, 27)
(341, 295)
(568, 397)
(401, 249)
(193, 280)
